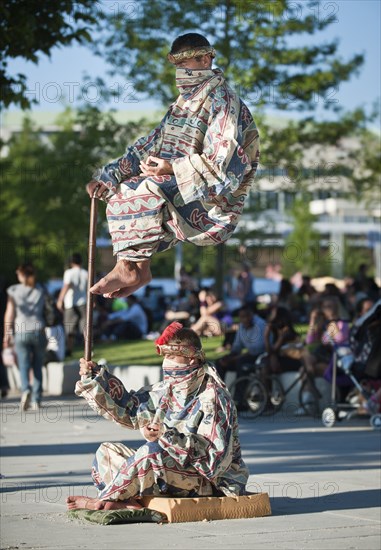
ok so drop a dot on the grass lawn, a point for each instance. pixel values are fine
(142, 352)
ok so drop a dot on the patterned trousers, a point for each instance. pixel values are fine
(148, 215)
(120, 473)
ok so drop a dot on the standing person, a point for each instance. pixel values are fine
(307, 296)
(245, 288)
(4, 383)
(24, 324)
(188, 420)
(187, 282)
(72, 300)
(187, 180)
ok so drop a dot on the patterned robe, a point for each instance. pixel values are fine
(198, 452)
(210, 138)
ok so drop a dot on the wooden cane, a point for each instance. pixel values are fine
(88, 333)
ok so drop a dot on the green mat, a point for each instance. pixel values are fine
(110, 517)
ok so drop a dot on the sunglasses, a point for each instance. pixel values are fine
(174, 350)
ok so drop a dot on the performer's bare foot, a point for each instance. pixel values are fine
(146, 277)
(87, 503)
(131, 504)
(77, 502)
(126, 274)
(128, 290)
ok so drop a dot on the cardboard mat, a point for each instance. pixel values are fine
(181, 510)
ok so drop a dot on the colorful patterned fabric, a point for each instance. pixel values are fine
(190, 54)
(198, 452)
(212, 142)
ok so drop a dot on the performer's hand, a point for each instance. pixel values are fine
(86, 367)
(101, 189)
(7, 340)
(155, 166)
(151, 432)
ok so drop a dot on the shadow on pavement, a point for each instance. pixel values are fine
(58, 449)
(47, 475)
(276, 450)
(21, 487)
(350, 500)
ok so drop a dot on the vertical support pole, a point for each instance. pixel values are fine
(88, 333)
(178, 262)
(220, 271)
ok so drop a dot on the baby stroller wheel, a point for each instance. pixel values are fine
(329, 417)
(375, 421)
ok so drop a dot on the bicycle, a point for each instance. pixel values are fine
(257, 395)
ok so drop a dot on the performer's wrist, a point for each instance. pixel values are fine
(95, 371)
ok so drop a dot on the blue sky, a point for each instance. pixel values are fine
(357, 27)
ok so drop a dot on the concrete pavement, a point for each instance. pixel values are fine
(324, 484)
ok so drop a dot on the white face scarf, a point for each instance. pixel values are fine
(189, 80)
(184, 379)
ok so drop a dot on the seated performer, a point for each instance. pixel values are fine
(189, 422)
(187, 180)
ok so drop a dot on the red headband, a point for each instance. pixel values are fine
(168, 333)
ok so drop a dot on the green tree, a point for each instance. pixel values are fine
(355, 256)
(366, 172)
(29, 28)
(301, 252)
(265, 50)
(252, 40)
(45, 213)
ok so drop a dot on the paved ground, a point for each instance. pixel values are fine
(324, 485)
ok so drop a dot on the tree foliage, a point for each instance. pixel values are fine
(45, 213)
(253, 42)
(302, 247)
(263, 49)
(29, 28)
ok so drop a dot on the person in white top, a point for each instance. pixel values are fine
(72, 300)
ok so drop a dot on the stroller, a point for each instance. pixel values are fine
(358, 362)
